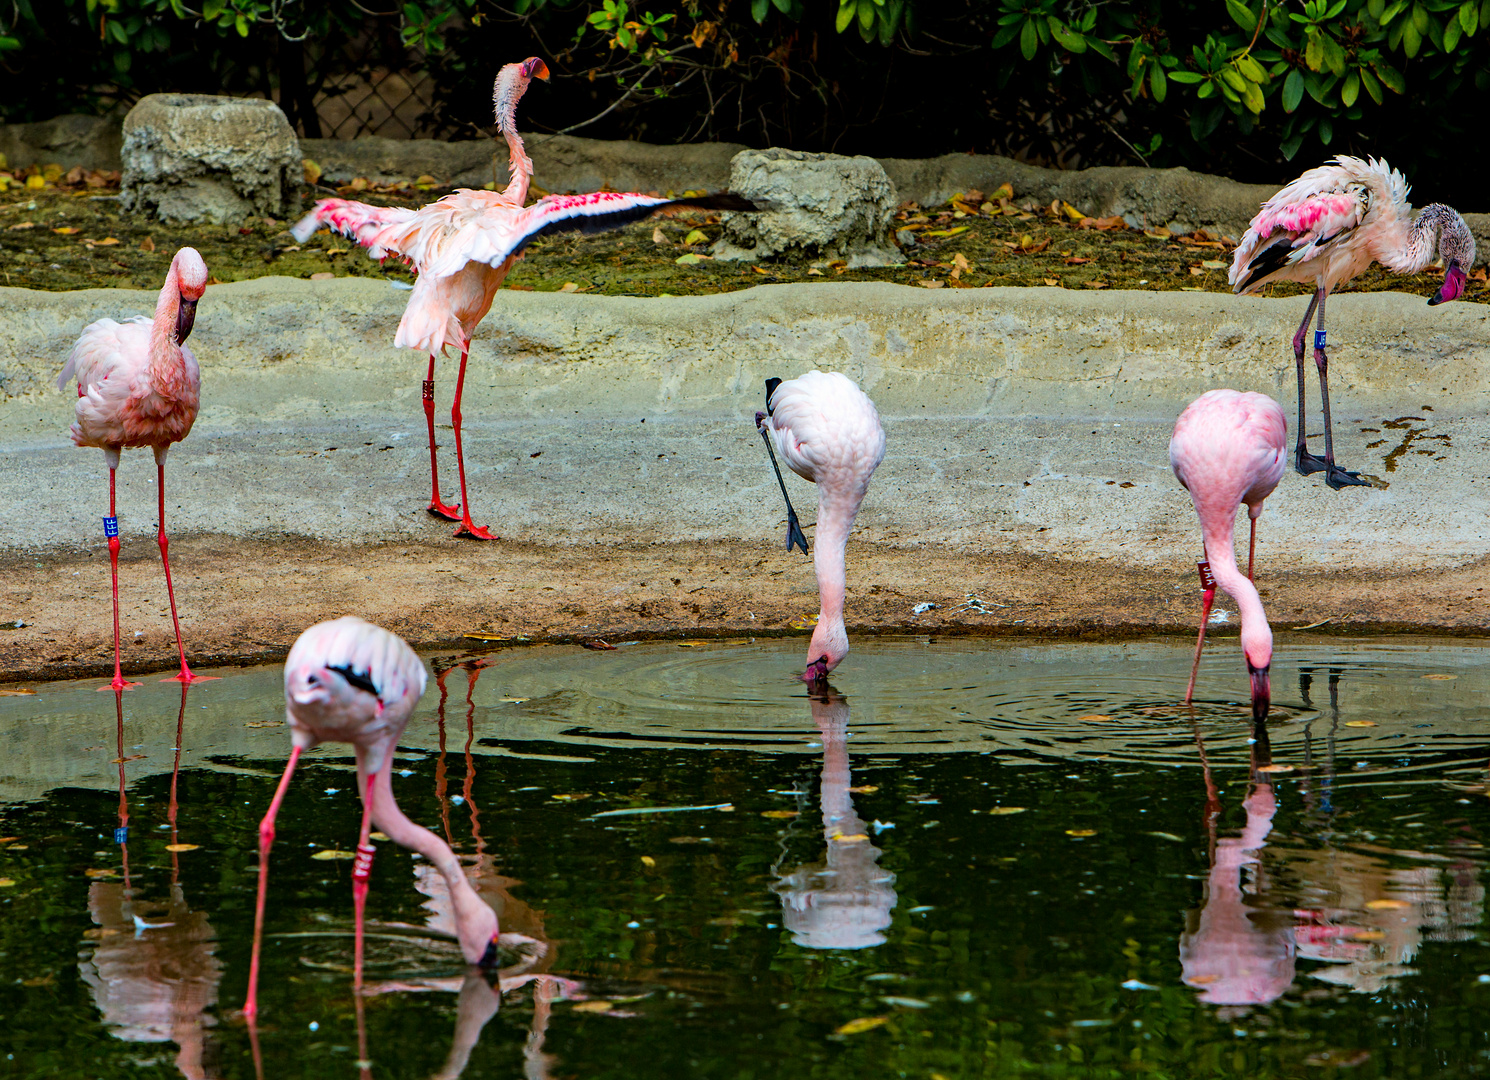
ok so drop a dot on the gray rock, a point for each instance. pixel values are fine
(816, 204)
(199, 158)
(91, 142)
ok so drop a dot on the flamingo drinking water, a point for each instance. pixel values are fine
(350, 681)
(1328, 226)
(1229, 449)
(828, 432)
(139, 385)
(463, 246)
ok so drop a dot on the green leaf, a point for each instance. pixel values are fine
(1293, 90)
(1469, 17)
(1326, 130)
(1065, 38)
(1185, 77)
(1252, 98)
(1390, 76)
(846, 16)
(759, 9)
(1290, 146)
(866, 15)
(1002, 38)
(1102, 49)
(1314, 52)
(1158, 83)
(1351, 89)
(1420, 18)
(1233, 79)
(242, 26)
(783, 6)
(1251, 69)
(1042, 28)
(1241, 15)
(1335, 9)
(1373, 87)
(1452, 31)
(1393, 11)
(1207, 89)
(1334, 56)
(1412, 41)
(1028, 39)
(1375, 8)
(1435, 34)
(211, 9)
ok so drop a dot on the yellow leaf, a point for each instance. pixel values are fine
(1071, 212)
(592, 1006)
(1053, 281)
(52, 173)
(659, 237)
(378, 836)
(571, 797)
(16, 692)
(865, 789)
(311, 170)
(803, 622)
(1360, 723)
(65, 230)
(647, 860)
(1213, 264)
(1001, 810)
(814, 272)
(147, 244)
(1367, 935)
(696, 236)
(182, 847)
(779, 814)
(1441, 678)
(863, 1023)
(1275, 768)
(1003, 191)
(1387, 905)
(6, 883)
(1081, 832)
(693, 258)
(329, 854)
(852, 838)
(949, 232)
(758, 270)
(569, 286)
(99, 872)
(1094, 718)
(928, 284)
(24, 225)
(478, 636)
(35, 182)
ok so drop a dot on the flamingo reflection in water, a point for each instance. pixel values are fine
(523, 936)
(154, 970)
(845, 901)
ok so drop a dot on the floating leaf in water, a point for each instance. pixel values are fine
(597, 1006)
(125, 760)
(1360, 723)
(1094, 718)
(647, 860)
(852, 838)
(865, 789)
(1367, 935)
(906, 1002)
(99, 872)
(182, 847)
(803, 622)
(1168, 836)
(8, 839)
(1001, 810)
(7, 883)
(1441, 678)
(328, 854)
(19, 847)
(1387, 905)
(693, 644)
(862, 1024)
(378, 836)
(598, 645)
(1275, 768)
(265, 723)
(781, 815)
(1081, 832)
(16, 692)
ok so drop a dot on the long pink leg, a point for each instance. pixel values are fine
(436, 506)
(186, 677)
(467, 527)
(1205, 614)
(111, 530)
(266, 840)
(361, 871)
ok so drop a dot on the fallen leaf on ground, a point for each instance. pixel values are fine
(322, 276)
(598, 645)
(147, 244)
(1095, 284)
(24, 225)
(569, 286)
(696, 236)
(660, 237)
(65, 230)
(1053, 281)
(693, 258)
(310, 170)
(929, 284)
(647, 860)
(1213, 264)
(758, 270)
(804, 622)
(1071, 212)
(6, 883)
(328, 854)
(107, 241)
(863, 1023)
(182, 847)
(1077, 260)
(571, 796)
(960, 261)
(1003, 191)
(949, 232)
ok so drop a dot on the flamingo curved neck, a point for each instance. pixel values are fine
(1221, 555)
(1423, 239)
(835, 519)
(519, 165)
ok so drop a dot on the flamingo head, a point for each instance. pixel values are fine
(1257, 647)
(190, 274)
(1455, 282)
(1456, 249)
(330, 695)
(512, 83)
(828, 648)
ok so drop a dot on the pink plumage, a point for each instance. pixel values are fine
(1229, 449)
(350, 681)
(139, 385)
(463, 246)
(1329, 226)
(828, 431)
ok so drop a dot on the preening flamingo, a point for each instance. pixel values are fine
(1228, 449)
(139, 385)
(1328, 226)
(350, 681)
(828, 432)
(462, 248)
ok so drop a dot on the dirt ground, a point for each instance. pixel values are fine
(72, 237)
(245, 601)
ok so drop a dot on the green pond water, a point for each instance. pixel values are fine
(972, 859)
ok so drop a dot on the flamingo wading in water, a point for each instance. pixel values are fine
(350, 681)
(463, 247)
(828, 432)
(139, 385)
(1328, 226)
(1228, 449)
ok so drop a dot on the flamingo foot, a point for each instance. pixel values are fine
(118, 684)
(794, 534)
(190, 678)
(475, 532)
(440, 510)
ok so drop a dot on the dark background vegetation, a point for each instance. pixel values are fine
(1253, 92)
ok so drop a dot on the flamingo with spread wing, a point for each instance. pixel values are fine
(463, 246)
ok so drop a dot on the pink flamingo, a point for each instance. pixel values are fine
(828, 432)
(1328, 226)
(350, 681)
(1229, 449)
(139, 385)
(463, 246)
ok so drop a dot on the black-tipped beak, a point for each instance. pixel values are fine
(1262, 694)
(771, 385)
(185, 316)
(535, 69)
(817, 671)
(1455, 283)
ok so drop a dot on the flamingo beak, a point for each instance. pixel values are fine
(534, 68)
(1455, 282)
(1262, 693)
(185, 316)
(817, 671)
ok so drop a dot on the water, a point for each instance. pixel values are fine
(1023, 860)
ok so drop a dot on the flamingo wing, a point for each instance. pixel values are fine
(371, 226)
(1290, 232)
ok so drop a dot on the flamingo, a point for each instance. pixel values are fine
(350, 681)
(1230, 448)
(1328, 226)
(139, 385)
(828, 431)
(463, 246)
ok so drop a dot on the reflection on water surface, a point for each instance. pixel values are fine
(964, 859)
